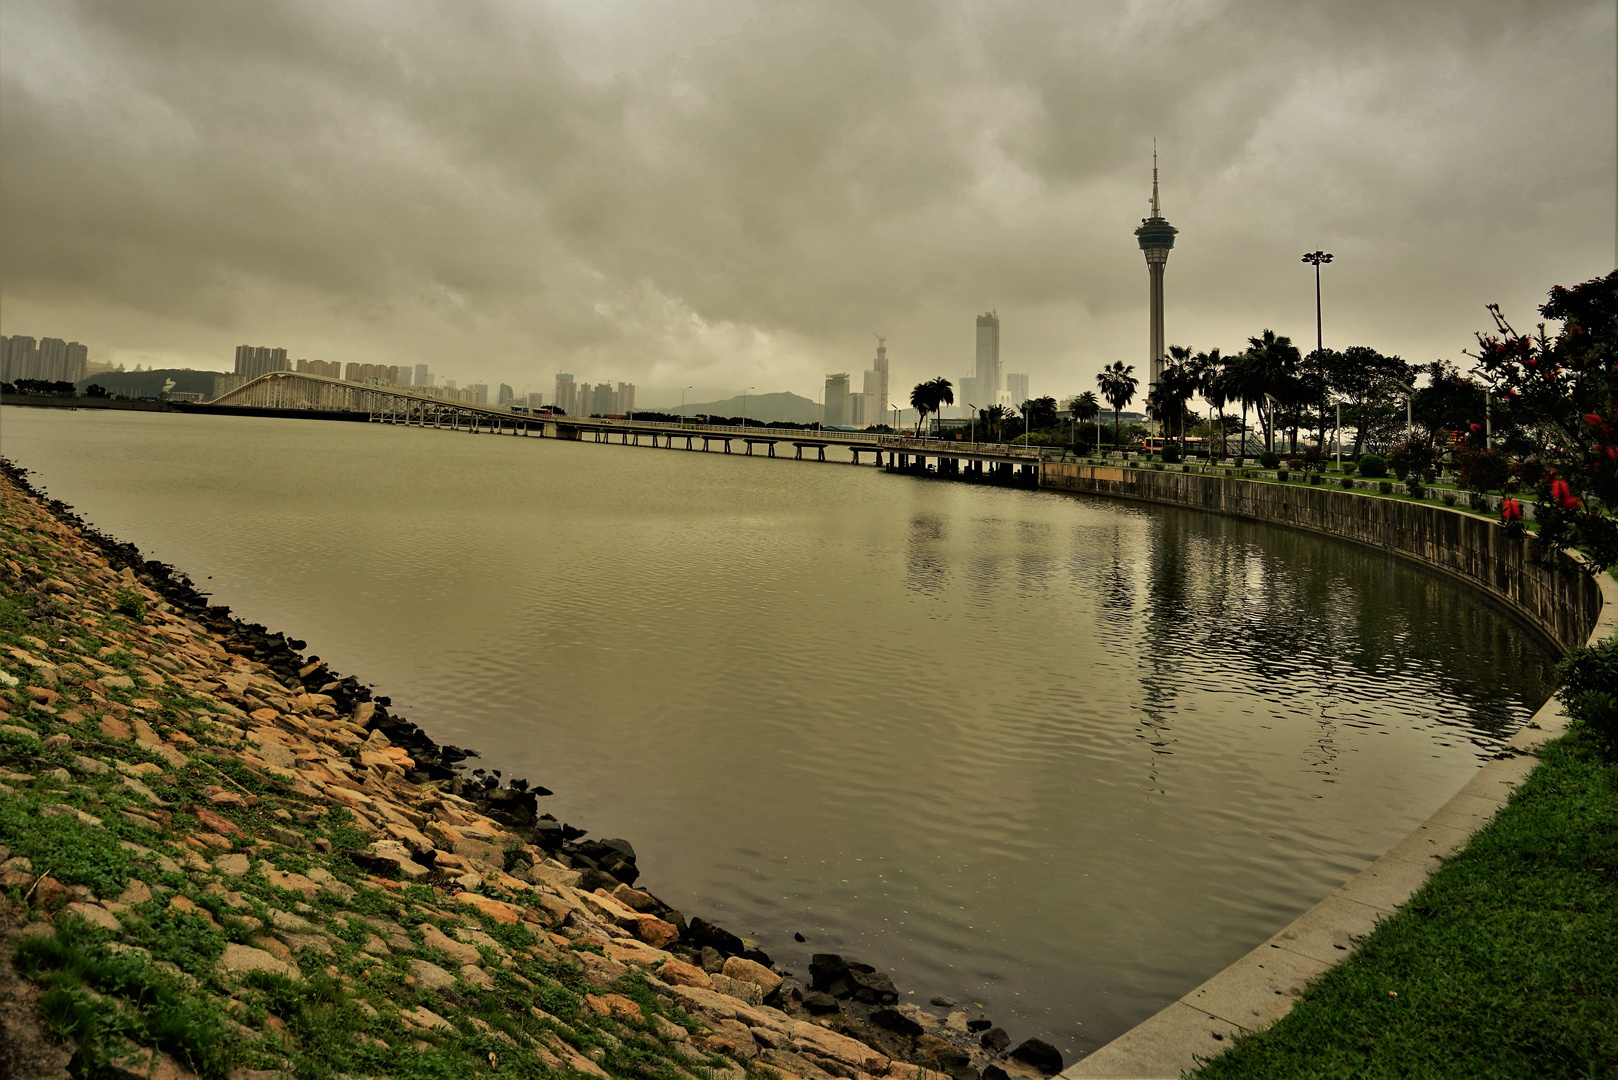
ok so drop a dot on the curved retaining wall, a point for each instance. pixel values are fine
(1567, 606)
(1561, 602)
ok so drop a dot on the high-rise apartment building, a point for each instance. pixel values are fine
(507, 396)
(423, 376)
(17, 358)
(988, 369)
(256, 360)
(623, 403)
(566, 397)
(330, 369)
(224, 384)
(49, 359)
(1017, 387)
(481, 393)
(536, 400)
(834, 413)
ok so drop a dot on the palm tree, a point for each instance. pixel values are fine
(1272, 363)
(1209, 369)
(993, 419)
(1085, 407)
(921, 400)
(1118, 385)
(940, 392)
(1175, 386)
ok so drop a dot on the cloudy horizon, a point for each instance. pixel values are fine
(729, 194)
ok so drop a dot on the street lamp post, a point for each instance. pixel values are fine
(1316, 258)
(1410, 398)
(974, 432)
(682, 405)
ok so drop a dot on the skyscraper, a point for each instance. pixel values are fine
(423, 376)
(1017, 387)
(507, 395)
(877, 410)
(988, 383)
(1156, 237)
(835, 411)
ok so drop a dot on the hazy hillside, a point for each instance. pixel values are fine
(764, 408)
(137, 384)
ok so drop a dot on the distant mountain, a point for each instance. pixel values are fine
(139, 384)
(765, 408)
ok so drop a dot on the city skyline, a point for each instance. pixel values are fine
(713, 209)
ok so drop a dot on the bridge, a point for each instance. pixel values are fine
(293, 392)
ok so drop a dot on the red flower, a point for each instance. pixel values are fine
(1564, 495)
(1477, 429)
(1592, 419)
(1510, 510)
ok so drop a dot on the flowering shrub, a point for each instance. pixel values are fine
(1557, 412)
(1482, 470)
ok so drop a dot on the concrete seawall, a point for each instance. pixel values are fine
(1568, 607)
(1562, 603)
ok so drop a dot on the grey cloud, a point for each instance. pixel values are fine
(740, 192)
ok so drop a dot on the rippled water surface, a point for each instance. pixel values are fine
(1061, 756)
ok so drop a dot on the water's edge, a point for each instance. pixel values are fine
(1560, 600)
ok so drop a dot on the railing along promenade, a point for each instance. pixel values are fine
(296, 391)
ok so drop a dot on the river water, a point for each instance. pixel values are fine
(1056, 756)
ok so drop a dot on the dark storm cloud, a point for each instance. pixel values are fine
(735, 193)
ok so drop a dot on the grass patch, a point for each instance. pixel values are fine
(106, 1001)
(1504, 965)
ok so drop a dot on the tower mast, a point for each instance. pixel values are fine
(1156, 238)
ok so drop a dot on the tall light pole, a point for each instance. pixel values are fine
(1410, 398)
(974, 409)
(682, 403)
(1316, 258)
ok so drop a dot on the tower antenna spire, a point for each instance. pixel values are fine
(1157, 209)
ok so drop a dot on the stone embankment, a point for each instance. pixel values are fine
(219, 858)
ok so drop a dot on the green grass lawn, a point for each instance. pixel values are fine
(1504, 965)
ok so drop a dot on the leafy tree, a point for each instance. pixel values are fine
(1366, 383)
(1562, 392)
(96, 390)
(1449, 402)
(1040, 413)
(1118, 384)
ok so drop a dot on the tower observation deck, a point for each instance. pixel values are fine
(1156, 237)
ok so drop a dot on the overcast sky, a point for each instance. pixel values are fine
(727, 194)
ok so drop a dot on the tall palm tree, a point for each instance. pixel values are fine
(1176, 385)
(1118, 385)
(921, 399)
(993, 420)
(1272, 365)
(940, 392)
(1085, 407)
(1209, 369)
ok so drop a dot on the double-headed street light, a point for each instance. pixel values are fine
(1316, 258)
